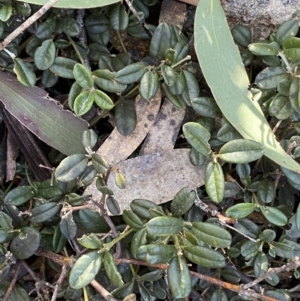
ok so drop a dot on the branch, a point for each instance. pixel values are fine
(27, 23)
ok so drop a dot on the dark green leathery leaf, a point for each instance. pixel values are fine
(214, 182)
(106, 80)
(138, 239)
(102, 100)
(280, 107)
(71, 167)
(182, 202)
(92, 221)
(131, 73)
(63, 67)
(274, 215)
(125, 116)
(266, 191)
(161, 41)
(75, 90)
(160, 253)
(294, 94)
(89, 138)
(59, 241)
(286, 30)
(211, 234)
(141, 207)
(83, 103)
(179, 278)
(83, 76)
(25, 243)
(241, 151)
(44, 55)
(111, 269)
(219, 295)
(240, 210)
(112, 204)
(132, 219)
(5, 12)
(270, 77)
(67, 225)
(164, 226)
(119, 17)
(264, 49)
(24, 74)
(206, 106)
(204, 256)
(19, 195)
(242, 34)
(85, 269)
(198, 137)
(149, 84)
(44, 212)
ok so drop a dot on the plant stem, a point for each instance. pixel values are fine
(27, 23)
(121, 41)
(76, 49)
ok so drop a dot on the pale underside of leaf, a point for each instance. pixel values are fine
(224, 72)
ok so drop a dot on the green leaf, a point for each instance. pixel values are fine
(270, 77)
(160, 253)
(78, 4)
(71, 167)
(149, 84)
(111, 269)
(63, 67)
(266, 191)
(45, 29)
(229, 81)
(102, 100)
(205, 106)
(176, 100)
(214, 182)
(292, 177)
(280, 107)
(242, 34)
(132, 219)
(24, 74)
(25, 243)
(138, 239)
(89, 138)
(106, 80)
(83, 76)
(286, 30)
(161, 41)
(92, 221)
(191, 88)
(83, 102)
(164, 226)
(197, 136)
(112, 204)
(261, 264)
(19, 195)
(131, 73)
(240, 210)
(141, 207)
(241, 151)
(5, 12)
(204, 256)
(85, 269)
(125, 116)
(119, 17)
(179, 278)
(297, 217)
(44, 55)
(211, 234)
(264, 49)
(59, 241)
(294, 94)
(99, 163)
(219, 295)
(67, 226)
(168, 74)
(249, 249)
(44, 212)
(182, 202)
(274, 215)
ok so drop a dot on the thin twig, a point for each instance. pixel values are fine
(294, 264)
(104, 293)
(59, 282)
(13, 282)
(233, 287)
(27, 23)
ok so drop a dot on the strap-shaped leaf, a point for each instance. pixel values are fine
(85, 269)
(211, 234)
(179, 278)
(224, 72)
(241, 151)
